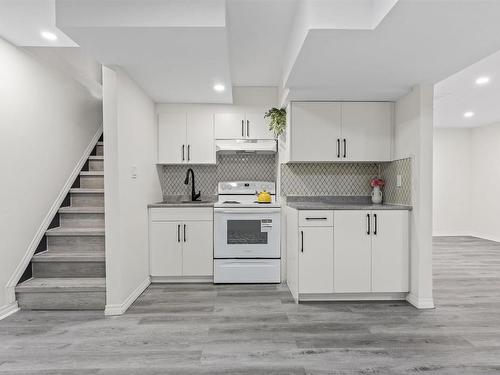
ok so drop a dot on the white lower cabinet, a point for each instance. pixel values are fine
(347, 254)
(315, 259)
(182, 247)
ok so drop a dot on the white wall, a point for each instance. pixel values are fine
(452, 185)
(467, 180)
(413, 138)
(47, 120)
(130, 134)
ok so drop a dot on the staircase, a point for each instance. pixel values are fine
(68, 270)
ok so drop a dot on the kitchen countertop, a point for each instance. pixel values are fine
(183, 201)
(340, 203)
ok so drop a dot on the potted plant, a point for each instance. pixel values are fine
(277, 122)
(376, 183)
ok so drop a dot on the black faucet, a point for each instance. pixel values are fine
(194, 196)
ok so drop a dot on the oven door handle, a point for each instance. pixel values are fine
(256, 211)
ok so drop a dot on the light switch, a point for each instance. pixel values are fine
(398, 180)
(133, 172)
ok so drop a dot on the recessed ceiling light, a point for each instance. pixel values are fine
(482, 80)
(48, 35)
(219, 87)
(468, 114)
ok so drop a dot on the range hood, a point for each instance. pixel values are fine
(234, 146)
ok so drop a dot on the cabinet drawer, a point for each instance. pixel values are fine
(316, 218)
(182, 214)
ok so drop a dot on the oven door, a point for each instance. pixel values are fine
(246, 233)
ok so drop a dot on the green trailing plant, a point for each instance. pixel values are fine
(278, 120)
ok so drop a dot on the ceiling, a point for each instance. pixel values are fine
(176, 50)
(459, 94)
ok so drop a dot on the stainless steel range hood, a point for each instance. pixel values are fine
(234, 146)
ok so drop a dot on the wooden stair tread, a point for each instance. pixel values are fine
(69, 256)
(100, 143)
(84, 284)
(62, 231)
(92, 173)
(86, 191)
(96, 157)
(81, 210)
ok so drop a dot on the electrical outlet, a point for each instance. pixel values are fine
(133, 172)
(398, 180)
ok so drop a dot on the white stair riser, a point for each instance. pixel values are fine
(76, 243)
(69, 269)
(81, 220)
(96, 165)
(92, 182)
(87, 200)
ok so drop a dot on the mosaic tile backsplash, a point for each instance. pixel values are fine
(229, 167)
(389, 171)
(338, 179)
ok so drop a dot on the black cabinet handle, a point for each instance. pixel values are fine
(242, 128)
(338, 147)
(248, 129)
(345, 148)
(182, 152)
(302, 241)
(316, 218)
(375, 230)
(184, 232)
(178, 233)
(189, 152)
(368, 221)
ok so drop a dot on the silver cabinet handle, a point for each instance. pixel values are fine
(185, 233)
(375, 230)
(316, 218)
(242, 128)
(189, 152)
(338, 148)
(302, 241)
(248, 129)
(345, 148)
(179, 233)
(368, 221)
(183, 152)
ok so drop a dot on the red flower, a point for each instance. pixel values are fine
(377, 182)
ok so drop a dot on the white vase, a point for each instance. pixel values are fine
(377, 195)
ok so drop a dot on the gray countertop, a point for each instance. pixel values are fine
(340, 203)
(184, 201)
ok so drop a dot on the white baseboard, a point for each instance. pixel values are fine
(420, 303)
(485, 236)
(182, 279)
(18, 273)
(352, 296)
(452, 234)
(9, 309)
(119, 309)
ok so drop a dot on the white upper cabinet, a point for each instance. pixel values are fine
(339, 131)
(229, 125)
(172, 138)
(186, 138)
(242, 126)
(315, 131)
(367, 131)
(200, 139)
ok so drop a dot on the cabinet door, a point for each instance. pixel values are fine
(315, 131)
(315, 260)
(197, 237)
(230, 125)
(352, 252)
(200, 139)
(257, 127)
(367, 131)
(390, 251)
(172, 138)
(165, 248)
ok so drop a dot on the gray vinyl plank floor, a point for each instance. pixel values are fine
(257, 329)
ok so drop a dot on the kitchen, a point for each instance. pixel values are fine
(318, 224)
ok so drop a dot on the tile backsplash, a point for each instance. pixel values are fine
(389, 171)
(229, 167)
(322, 179)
